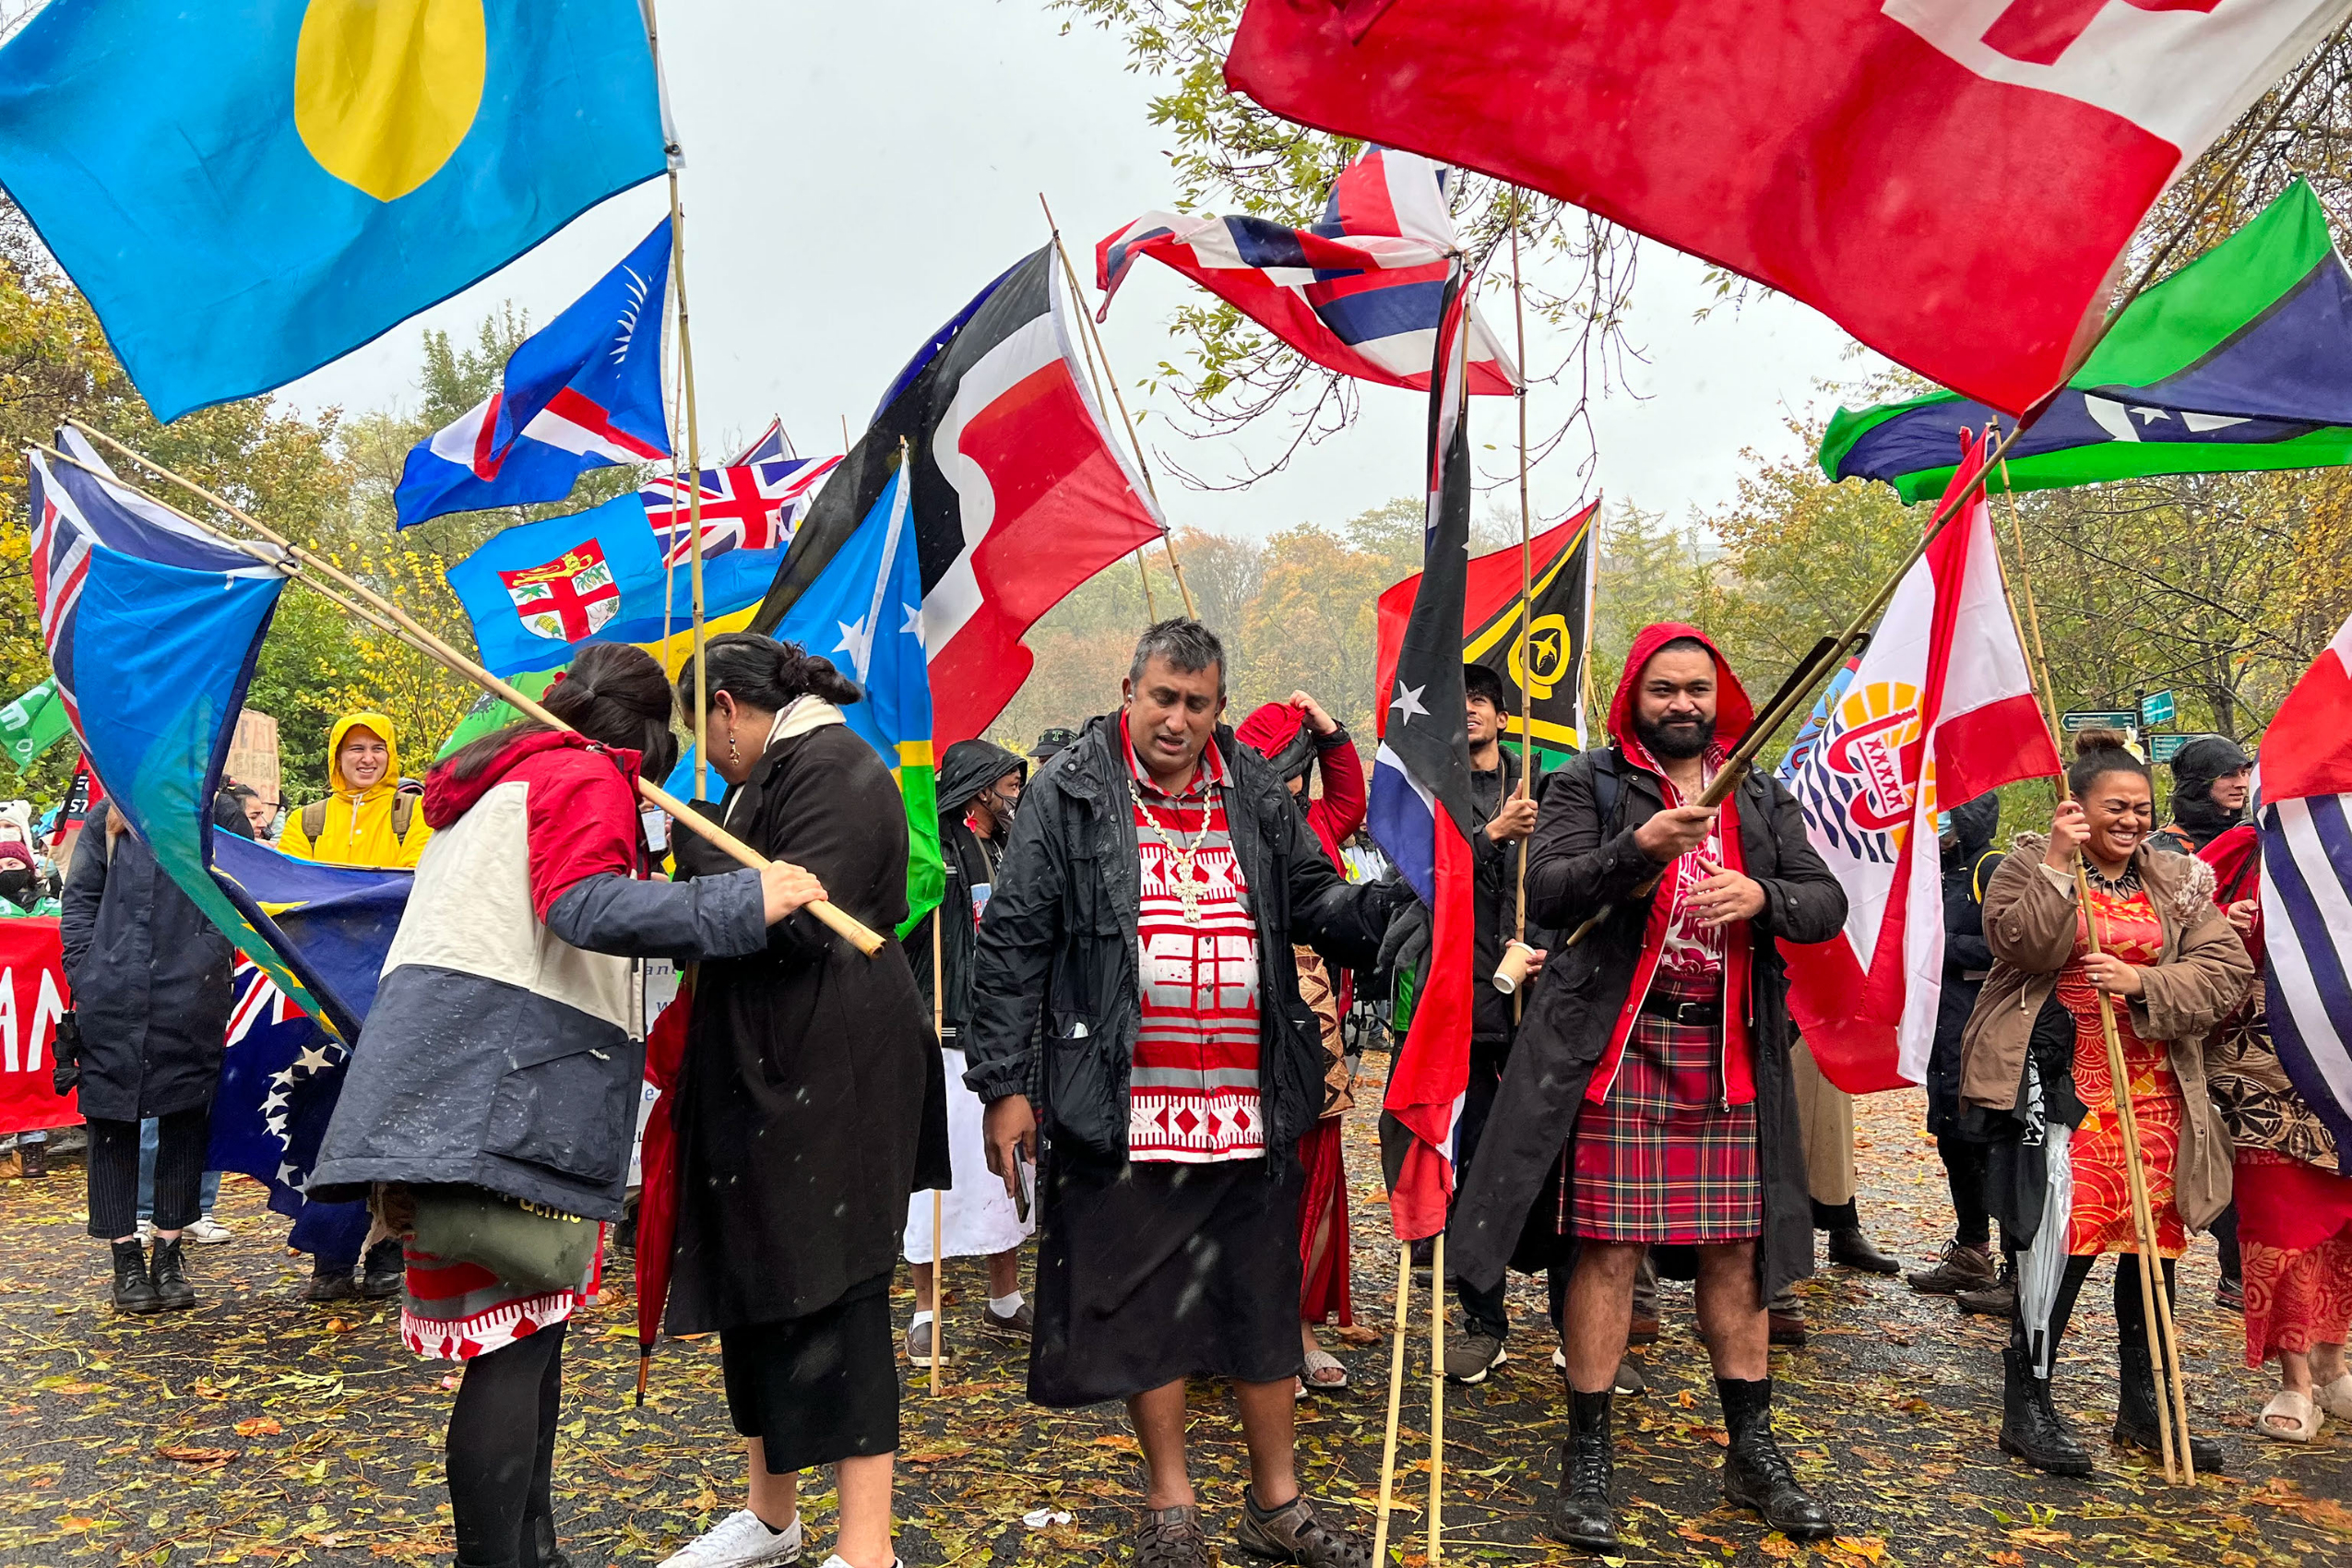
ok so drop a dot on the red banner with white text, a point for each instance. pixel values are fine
(32, 998)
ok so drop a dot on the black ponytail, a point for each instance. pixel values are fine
(614, 693)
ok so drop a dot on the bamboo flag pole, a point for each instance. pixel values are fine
(2155, 1306)
(1078, 306)
(938, 1235)
(1396, 1398)
(1436, 1396)
(1526, 587)
(1816, 667)
(302, 565)
(1095, 379)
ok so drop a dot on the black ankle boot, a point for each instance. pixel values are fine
(1756, 1473)
(384, 1272)
(539, 1547)
(2135, 1408)
(134, 1292)
(2031, 1427)
(173, 1290)
(1580, 1514)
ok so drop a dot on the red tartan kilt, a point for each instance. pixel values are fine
(1659, 1161)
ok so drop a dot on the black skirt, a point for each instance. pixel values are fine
(1150, 1272)
(818, 1388)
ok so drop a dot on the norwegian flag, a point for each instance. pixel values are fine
(1420, 815)
(2306, 823)
(749, 506)
(1359, 292)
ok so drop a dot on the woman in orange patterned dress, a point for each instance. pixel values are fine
(2035, 1060)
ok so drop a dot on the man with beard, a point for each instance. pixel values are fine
(2211, 781)
(980, 786)
(1648, 1101)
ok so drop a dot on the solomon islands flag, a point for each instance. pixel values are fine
(2235, 362)
(1359, 292)
(582, 392)
(246, 189)
(2305, 785)
(1420, 813)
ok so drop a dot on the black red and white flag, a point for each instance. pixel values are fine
(1021, 493)
(1421, 812)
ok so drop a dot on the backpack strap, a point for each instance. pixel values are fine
(314, 820)
(1605, 787)
(404, 811)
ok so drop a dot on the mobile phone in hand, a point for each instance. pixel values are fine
(1024, 1186)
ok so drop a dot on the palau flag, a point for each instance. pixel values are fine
(864, 612)
(153, 627)
(2236, 362)
(246, 189)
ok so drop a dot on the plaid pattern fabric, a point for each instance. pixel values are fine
(1659, 1161)
(1193, 1098)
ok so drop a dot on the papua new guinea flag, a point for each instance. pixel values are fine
(1953, 181)
(2234, 362)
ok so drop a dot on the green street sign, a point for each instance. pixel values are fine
(2164, 748)
(2111, 718)
(2158, 708)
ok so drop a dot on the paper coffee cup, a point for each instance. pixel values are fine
(1512, 973)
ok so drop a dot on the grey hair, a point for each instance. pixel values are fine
(1186, 645)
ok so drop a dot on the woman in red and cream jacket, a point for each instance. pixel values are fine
(502, 1052)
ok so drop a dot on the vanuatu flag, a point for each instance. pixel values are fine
(864, 612)
(2234, 362)
(1553, 679)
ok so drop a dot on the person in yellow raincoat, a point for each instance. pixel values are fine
(365, 821)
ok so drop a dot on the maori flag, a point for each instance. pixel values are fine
(1421, 810)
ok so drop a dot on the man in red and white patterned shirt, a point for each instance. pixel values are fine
(1137, 989)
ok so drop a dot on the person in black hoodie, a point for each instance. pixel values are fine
(980, 786)
(1969, 860)
(2211, 781)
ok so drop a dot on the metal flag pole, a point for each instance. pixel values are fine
(1526, 587)
(1078, 303)
(938, 1235)
(1436, 1396)
(303, 567)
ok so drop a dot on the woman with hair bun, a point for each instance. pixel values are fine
(799, 1104)
(491, 1096)
(2034, 1057)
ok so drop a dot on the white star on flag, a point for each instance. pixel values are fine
(1409, 702)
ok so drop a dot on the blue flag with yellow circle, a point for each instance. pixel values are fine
(246, 189)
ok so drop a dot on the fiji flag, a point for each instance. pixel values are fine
(2306, 822)
(583, 392)
(864, 612)
(246, 189)
(535, 592)
(1420, 813)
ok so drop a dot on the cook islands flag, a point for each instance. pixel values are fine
(246, 189)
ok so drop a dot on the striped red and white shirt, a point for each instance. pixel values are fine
(1194, 1097)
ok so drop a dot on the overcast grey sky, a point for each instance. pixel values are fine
(855, 173)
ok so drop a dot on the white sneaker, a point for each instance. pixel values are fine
(838, 1561)
(739, 1541)
(209, 1231)
(146, 1232)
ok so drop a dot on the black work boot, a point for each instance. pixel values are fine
(1580, 1514)
(384, 1271)
(2031, 1427)
(1756, 1473)
(540, 1550)
(2135, 1408)
(134, 1292)
(172, 1291)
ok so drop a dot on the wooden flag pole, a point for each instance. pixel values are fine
(301, 565)
(2155, 1306)
(938, 1235)
(1436, 1395)
(1396, 1398)
(1078, 306)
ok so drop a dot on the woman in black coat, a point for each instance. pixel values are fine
(801, 1101)
(150, 981)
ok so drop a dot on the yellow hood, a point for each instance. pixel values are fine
(380, 724)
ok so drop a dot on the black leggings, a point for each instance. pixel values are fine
(501, 1449)
(1963, 1171)
(180, 1142)
(2130, 1317)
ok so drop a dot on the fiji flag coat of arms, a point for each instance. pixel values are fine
(568, 597)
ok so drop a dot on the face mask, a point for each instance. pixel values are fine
(16, 885)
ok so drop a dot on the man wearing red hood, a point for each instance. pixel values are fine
(1648, 1102)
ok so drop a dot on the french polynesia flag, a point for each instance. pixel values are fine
(1421, 810)
(1941, 709)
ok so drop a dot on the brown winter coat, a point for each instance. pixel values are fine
(2200, 977)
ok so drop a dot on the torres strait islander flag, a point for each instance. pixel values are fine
(1901, 165)
(2305, 787)
(1420, 813)
(1939, 710)
(583, 392)
(1020, 491)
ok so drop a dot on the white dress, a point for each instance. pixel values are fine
(978, 1218)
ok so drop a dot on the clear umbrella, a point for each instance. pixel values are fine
(2043, 1264)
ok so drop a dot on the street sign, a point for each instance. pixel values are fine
(2158, 708)
(2073, 723)
(2164, 748)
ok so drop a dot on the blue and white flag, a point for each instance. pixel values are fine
(583, 392)
(246, 189)
(2305, 785)
(279, 1079)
